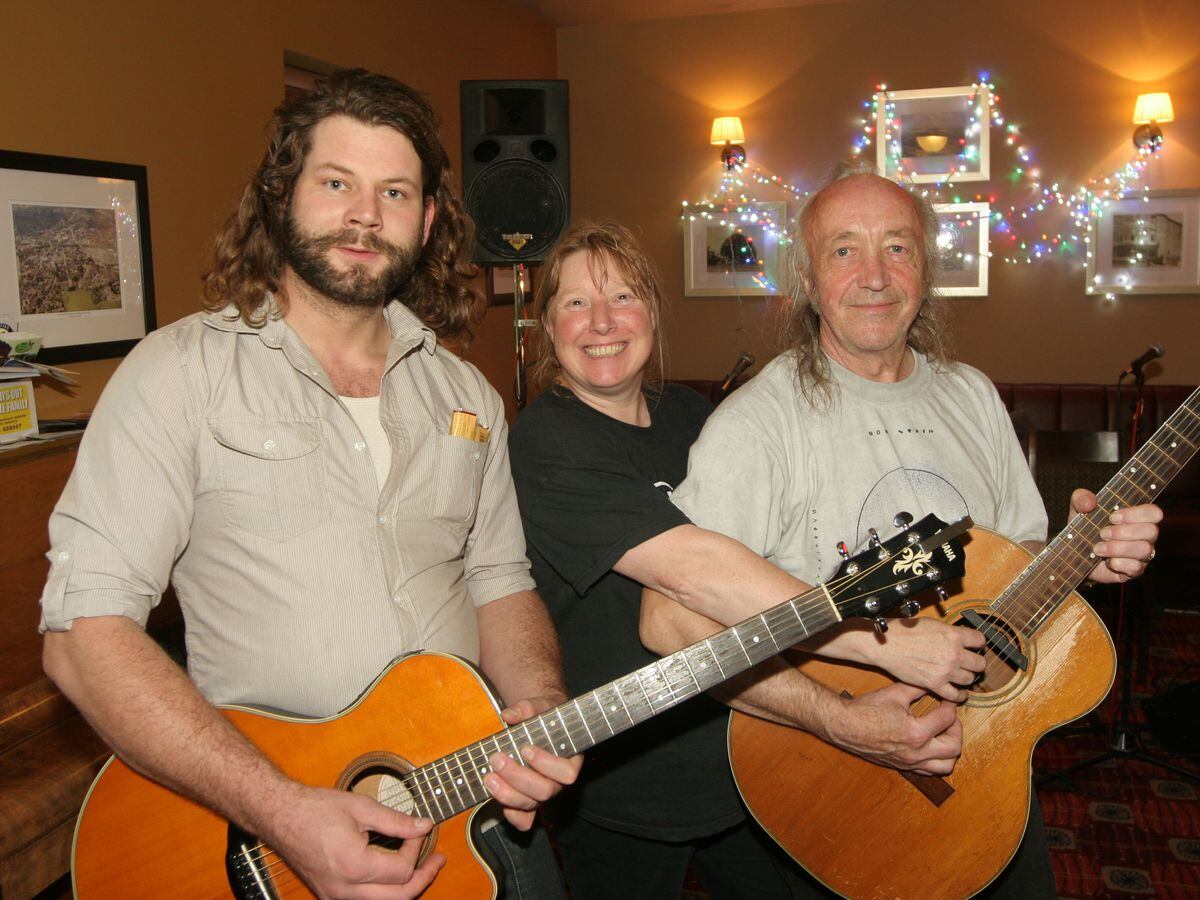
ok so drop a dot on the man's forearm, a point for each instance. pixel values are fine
(773, 689)
(147, 710)
(518, 648)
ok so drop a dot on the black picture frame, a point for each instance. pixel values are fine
(62, 184)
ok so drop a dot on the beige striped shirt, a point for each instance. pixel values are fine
(219, 457)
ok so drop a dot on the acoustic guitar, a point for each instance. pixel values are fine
(135, 838)
(872, 832)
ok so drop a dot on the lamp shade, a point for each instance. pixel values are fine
(727, 129)
(1151, 108)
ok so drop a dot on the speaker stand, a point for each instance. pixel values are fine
(520, 326)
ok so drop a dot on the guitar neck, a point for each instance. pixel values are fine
(1067, 559)
(447, 786)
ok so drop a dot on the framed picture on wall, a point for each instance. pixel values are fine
(75, 254)
(501, 289)
(934, 135)
(1145, 246)
(732, 254)
(962, 242)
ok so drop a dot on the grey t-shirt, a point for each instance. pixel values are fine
(790, 481)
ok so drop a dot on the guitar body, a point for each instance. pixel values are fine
(135, 838)
(867, 831)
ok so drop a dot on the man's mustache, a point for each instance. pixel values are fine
(350, 237)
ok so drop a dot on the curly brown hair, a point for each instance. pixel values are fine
(248, 251)
(801, 329)
(610, 248)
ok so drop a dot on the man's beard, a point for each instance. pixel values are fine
(308, 256)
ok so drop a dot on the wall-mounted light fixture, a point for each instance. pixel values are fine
(727, 133)
(1149, 112)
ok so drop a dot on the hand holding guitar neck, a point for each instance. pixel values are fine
(1127, 543)
(520, 787)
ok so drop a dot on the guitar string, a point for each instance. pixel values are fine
(1146, 475)
(814, 599)
(1147, 467)
(1060, 557)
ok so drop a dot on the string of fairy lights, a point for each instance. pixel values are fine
(1019, 232)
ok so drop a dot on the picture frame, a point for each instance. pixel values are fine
(500, 290)
(1148, 244)
(934, 135)
(738, 259)
(963, 233)
(75, 261)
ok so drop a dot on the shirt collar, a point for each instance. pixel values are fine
(408, 332)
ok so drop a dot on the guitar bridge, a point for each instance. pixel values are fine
(247, 866)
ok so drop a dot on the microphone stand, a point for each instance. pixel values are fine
(1124, 733)
(520, 326)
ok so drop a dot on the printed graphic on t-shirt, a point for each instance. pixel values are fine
(914, 491)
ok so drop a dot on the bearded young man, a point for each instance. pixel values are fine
(865, 415)
(285, 461)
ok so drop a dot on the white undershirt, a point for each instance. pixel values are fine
(365, 412)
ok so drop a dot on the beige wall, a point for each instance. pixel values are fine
(186, 89)
(643, 95)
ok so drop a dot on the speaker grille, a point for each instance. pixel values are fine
(517, 197)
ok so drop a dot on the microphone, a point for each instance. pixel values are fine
(744, 361)
(1135, 367)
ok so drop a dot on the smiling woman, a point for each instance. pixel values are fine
(595, 458)
(598, 303)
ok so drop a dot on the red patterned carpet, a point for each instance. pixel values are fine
(1126, 827)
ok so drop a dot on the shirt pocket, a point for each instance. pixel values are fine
(272, 475)
(459, 478)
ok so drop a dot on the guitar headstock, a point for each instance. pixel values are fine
(892, 572)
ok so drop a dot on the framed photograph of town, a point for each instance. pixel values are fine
(733, 253)
(1147, 244)
(75, 262)
(934, 135)
(962, 243)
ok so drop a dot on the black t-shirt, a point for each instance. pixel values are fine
(590, 488)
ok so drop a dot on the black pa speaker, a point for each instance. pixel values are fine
(516, 167)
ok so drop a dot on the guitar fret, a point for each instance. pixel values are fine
(583, 719)
(432, 791)
(716, 659)
(770, 633)
(638, 676)
(600, 706)
(620, 696)
(669, 685)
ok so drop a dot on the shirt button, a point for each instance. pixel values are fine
(360, 445)
(383, 520)
(63, 556)
(268, 445)
(477, 455)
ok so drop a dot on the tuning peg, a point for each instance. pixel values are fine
(842, 551)
(941, 594)
(910, 608)
(902, 519)
(881, 624)
(902, 588)
(933, 574)
(874, 542)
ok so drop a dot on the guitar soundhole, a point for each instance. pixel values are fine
(1003, 655)
(380, 776)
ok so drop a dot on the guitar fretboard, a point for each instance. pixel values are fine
(447, 786)
(1066, 560)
